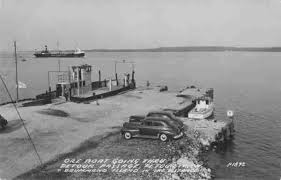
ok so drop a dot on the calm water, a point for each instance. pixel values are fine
(246, 82)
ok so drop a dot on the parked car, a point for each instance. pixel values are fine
(152, 127)
(3, 122)
(160, 114)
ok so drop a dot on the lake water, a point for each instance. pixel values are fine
(246, 82)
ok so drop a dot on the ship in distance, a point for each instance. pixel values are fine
(63, 54)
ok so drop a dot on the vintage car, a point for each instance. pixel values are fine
(3, 122)
(152, 127)
(159, 114)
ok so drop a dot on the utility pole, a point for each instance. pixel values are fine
(115, 63)
(58, 47)
(16, 59)
(59, 64)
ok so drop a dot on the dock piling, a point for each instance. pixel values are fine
(99, 78)
(116, 77)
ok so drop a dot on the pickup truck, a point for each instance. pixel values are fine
(159, 114)
(153, 128)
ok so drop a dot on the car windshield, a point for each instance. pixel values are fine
(159, 115)
(134, 120)
(173, 124)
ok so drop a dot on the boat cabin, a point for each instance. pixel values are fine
(203, 103)
(76, 81)
(81, 81)
(62, 88)
(63, 85)
(46, 50)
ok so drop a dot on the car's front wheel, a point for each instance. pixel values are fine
(163, 137)
(127, 135)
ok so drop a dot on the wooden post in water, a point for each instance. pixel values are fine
(99, 78)
(116, 77)
(133, 78)
(125, 80)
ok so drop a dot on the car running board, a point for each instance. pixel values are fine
(146, 136)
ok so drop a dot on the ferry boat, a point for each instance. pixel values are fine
(204, 108)
(63, 54)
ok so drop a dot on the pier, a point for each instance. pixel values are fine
(59, 129)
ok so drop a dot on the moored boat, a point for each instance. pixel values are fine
(203, 109)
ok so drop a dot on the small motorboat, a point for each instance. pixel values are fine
(204, 108)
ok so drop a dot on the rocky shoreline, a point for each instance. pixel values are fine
(189, 155)
(184, 159)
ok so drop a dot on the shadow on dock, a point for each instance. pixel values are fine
(54, 112)
(13, 125)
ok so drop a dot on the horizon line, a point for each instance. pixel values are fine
(174, 48)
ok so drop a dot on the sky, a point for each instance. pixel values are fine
(135, 24)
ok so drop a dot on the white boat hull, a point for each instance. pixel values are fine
(202, 114)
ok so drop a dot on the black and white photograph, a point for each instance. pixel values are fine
(140, 89)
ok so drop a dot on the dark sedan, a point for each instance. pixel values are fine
(154, 128)
(159, 114)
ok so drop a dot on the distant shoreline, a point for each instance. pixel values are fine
(180, 49)
(192, 48)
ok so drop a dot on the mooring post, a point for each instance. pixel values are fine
(133, 78)
(116, 77)
(70, 98)
(109, 83)
(125, 80)
(99, 78)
